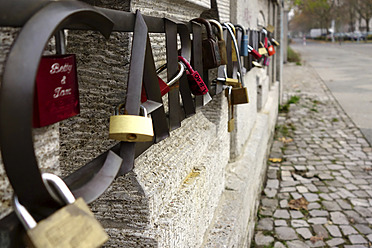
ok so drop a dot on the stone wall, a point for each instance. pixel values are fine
(197, 188)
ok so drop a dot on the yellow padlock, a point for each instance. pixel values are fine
(131, 128)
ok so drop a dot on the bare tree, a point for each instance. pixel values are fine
(364, 9)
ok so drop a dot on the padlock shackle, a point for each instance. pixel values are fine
(178, 76)
(219, 27)
(230, 28)
(241, 28)
(186, 63)
(59, 192)
(207, 25)
(23, 215)
(144, 110)
(59, 186)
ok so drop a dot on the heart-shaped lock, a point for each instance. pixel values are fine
(196, 83)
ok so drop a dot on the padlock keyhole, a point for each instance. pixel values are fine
(131, 136)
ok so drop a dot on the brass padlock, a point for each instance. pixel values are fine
(239, 96)
(256, 64)
(230, 82)
(270, 28)
(131, 128)
(262, 51)
(72, 226)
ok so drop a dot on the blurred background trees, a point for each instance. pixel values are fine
(348, 15)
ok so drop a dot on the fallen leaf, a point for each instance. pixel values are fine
(275, 160)
(367, 168)
(314, 239)
(285, 140)
(298, 204)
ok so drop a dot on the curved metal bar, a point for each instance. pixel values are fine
(17, 94)
(94, 188)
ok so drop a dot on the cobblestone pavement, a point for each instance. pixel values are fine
(319, 178)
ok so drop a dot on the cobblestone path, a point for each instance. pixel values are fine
(319, 178)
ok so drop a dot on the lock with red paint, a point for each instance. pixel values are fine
(196, 83)
(271, 50)
(254, 52)
(164, 87)
(56, 90)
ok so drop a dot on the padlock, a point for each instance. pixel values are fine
(231, 121)
(244, 41)
(72, 226)
(266, 61)
(256, 64)
(239, 95)
(196, 83)
(221, 41)
(270, 28)
(264, 31)
(229, 82)
(210, 49)
(262, 50)
(234, 56)
(270, 49)
(131, 128)
(164, 87)
(254, 52)
(274, 42)
(56, 88)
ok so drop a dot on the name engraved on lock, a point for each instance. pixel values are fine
(56, 68)
(56, 91)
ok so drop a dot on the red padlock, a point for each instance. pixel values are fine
(254, 52)
(56, 90)
(271, 50)
(196, 83)
(164, 87)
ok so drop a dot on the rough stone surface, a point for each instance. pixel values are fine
(323, 183)
(285, 233)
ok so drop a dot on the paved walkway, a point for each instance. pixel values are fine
(319, 179)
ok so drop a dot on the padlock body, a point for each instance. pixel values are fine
(256, 54)
(164, 89)
(131, 128)
(266, 61)
(239, 96)
(222, 49)
(244, 46)
(196, 83)
(271, 50)
(233, 82)
(56, 90)
(70, 227)
(231, 125)
(262, 51)
(234, 58)
(275, 42)
(211, 54)
(256, 64)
